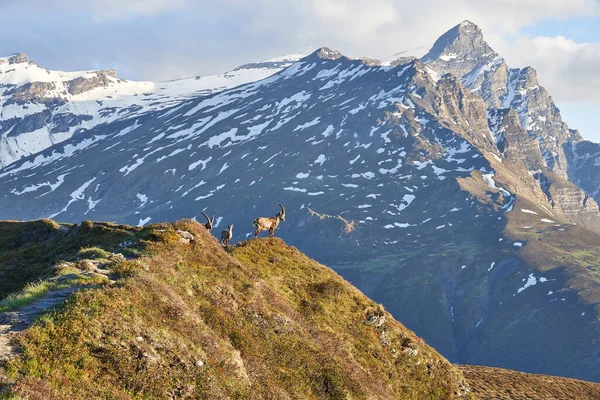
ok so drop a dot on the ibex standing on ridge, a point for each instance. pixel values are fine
(226, 235)
(269, 224)
(209, 223)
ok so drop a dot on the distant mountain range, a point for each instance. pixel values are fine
(445, 188)
(40, 108)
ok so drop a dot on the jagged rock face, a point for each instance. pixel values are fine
(513, 141)
(402, 60)
(584, 166)
(19, 58)
(464, 112)
(517, 145)
(81, 84)
(532, 132)
(328, 54)
(39, 107)
(539, 116)
(34, 92)
(493, 84)
(389, 174)
(573, 202)
(462, 51)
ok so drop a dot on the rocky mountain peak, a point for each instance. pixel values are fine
(463, 44)
(529, 77)
(402, 61)
(328, 54)
(467, 26)
(18, 58)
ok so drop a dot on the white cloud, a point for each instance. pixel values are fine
(101, 10)
(569, 70)
(119, 9)
(382, 27)
(179, 38)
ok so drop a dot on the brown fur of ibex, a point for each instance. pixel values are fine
(209, 223)
(269, 224)
(226, 235)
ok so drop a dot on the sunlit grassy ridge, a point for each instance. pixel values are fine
(194, 321)
(503, 384)
(30, 250)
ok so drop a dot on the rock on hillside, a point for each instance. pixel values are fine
(260, 321)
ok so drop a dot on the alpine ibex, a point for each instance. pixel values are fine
(269, 224)
(226, 235)
(209, 223)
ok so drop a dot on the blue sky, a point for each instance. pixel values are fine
(582, 114)
(168, 39)
(580, 29)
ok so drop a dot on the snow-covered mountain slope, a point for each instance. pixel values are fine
(393, 174)
(39, 107)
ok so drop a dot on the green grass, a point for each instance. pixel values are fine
(36, 290)
(93, 253)
(30, 293)
(29, 250)
(567, 246)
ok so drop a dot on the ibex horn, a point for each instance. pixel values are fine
(206, 216)
(282, 208)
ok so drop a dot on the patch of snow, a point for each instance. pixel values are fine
(78, 194)
(295, 189)
(528, 211)
(199, 162)
(144, 221)
(308, 124)
(53, 186)
(321, 159)
(531, 281)
(143, 199)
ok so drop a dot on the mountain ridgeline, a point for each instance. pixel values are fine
(40, 107)
(444, 188)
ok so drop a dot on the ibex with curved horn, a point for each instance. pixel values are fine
(209, 223)
(269, 224)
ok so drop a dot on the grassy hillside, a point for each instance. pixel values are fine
(30, 250)
(195, 321)
(504, 384)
